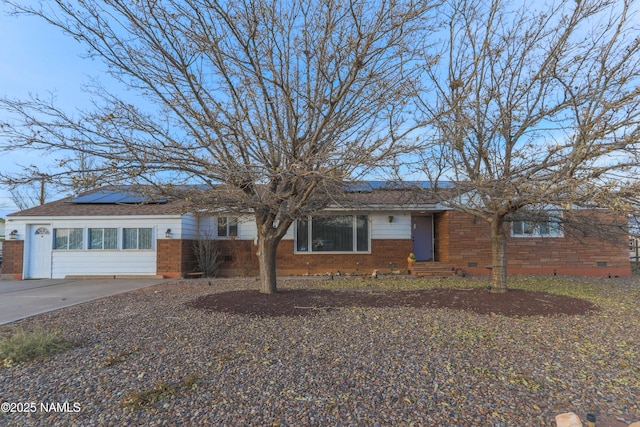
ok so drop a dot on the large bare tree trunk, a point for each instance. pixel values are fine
(267, 246)
(498, 256)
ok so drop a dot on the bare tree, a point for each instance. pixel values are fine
(31, 188)
(34, 186)
(28, 195)
(278, 101)
(534, 105)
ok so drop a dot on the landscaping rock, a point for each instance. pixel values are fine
(339, 352)
(568, 419)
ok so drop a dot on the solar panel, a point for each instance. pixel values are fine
(111, 197)
(90, 198)
(359, 187)
(114, 197)
(368, 186)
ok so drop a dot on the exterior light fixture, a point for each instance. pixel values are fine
(13, 235)
(167, 234)
(390, 218)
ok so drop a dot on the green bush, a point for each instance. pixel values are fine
(22, 345)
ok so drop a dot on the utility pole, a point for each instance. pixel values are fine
(42, 197)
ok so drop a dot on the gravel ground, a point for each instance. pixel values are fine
(345, 367)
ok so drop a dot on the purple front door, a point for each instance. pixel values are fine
(422, 235)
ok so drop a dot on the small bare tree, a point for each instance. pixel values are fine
(279, 101)
(33, 186)
(532, 106)
(28, 195)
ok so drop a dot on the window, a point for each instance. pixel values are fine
(103, 238)
(136, 238)
(67, 238)
(544, 226)
(333, 233)
(227, 226)
(42, 231)
(362, 233)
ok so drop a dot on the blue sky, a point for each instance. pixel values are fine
(37, 58)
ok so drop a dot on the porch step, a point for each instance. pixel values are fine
(432, 268)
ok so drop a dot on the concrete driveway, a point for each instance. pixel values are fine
(25, 298)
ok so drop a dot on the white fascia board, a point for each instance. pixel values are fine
(88, 217)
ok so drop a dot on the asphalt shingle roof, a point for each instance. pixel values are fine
(67, 207)
(92, 203)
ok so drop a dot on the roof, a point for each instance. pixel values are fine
(106, 201)
(387, 194)
(123, 201)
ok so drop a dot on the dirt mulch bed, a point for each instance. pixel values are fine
(303, 302)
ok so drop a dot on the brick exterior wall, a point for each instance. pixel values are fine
(441, 237)
(386, 255)
(174, 258)
(239, 259)
(460, 240)
(12, 259)
(469, 241)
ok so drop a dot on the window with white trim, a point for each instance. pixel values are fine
(67, 238)
(332, 233)
(103, 238)
(541, 226)
(227, 226)
(137, 238)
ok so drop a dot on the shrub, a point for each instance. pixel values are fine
(207, 253)
(23, 345)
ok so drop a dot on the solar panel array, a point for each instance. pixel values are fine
(369, 186)
(114, 197)
(126, 196)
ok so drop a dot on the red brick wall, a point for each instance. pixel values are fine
(241, 259)
(383, 253)
(467, 241)
(460, 239)
(12, 257)
(441, 237)
(238, 258)
(174, 257)
(470, 242)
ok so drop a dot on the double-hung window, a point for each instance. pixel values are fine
(67, 238)
(137, 238)
(227, 226)
(103, 238)
(333, 233)
(542, 226)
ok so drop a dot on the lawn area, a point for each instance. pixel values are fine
(155, 357)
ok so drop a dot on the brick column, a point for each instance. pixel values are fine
(12, 257)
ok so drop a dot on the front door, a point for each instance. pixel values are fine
(422, 235)
(40, 244)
